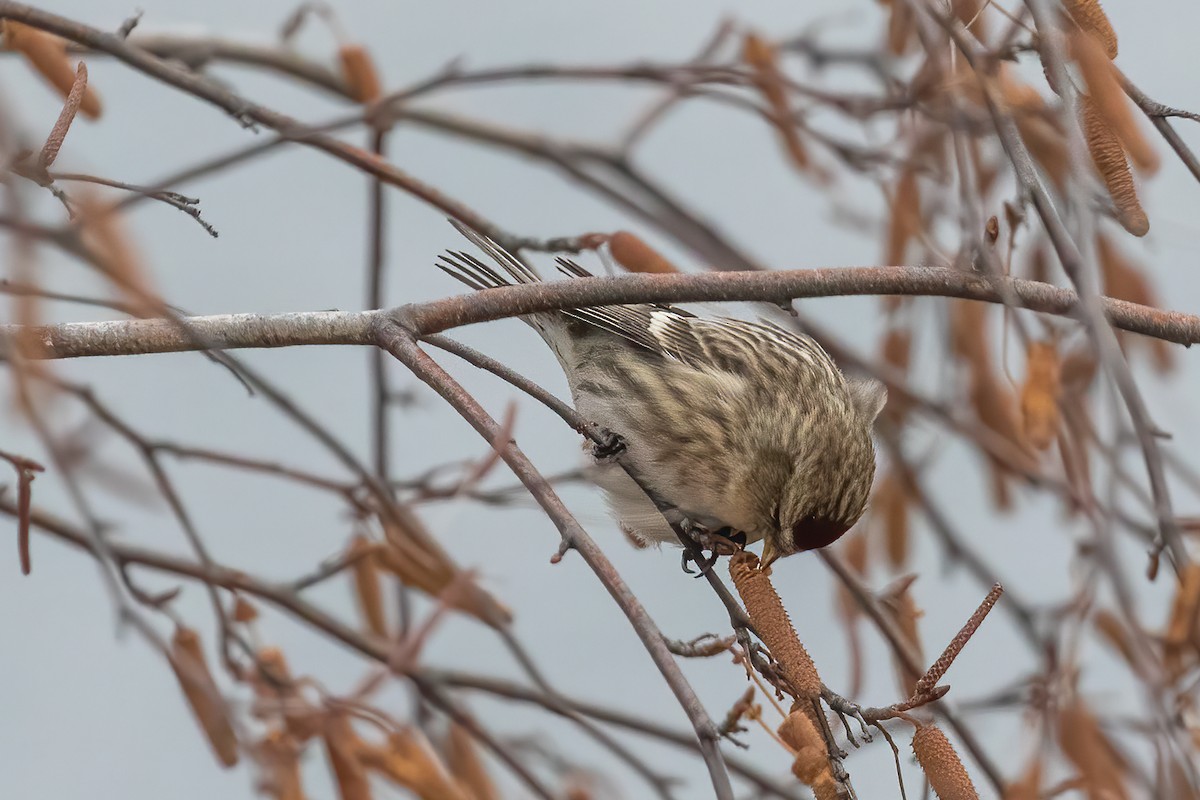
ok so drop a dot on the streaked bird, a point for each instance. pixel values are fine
(745, 428)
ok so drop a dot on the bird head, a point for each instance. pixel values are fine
(829, 482)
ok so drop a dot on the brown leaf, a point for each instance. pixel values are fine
(1040, 395)
(191, 670)
(279, 756)
(367, 590)
(343, 748)
(358, 71)
(760, 56)
(905, 219)
(47, 54)
(635, 255)
(409, 762)
(1088, 748)
(467, 766)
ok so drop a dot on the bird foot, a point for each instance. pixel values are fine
(609, 447)
(721, 542)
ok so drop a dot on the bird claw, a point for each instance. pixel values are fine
(721, 542)
(608, 449)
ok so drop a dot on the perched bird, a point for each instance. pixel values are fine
(743, 427)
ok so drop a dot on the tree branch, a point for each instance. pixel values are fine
(232, 331)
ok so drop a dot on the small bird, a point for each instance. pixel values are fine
(749, 430)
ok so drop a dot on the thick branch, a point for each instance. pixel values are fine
(228, 331)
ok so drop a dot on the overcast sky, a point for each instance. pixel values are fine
(83, 709)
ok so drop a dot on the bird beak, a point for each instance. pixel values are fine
(770, 554)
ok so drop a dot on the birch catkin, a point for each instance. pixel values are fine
(1109, 157)
(191, 670)
(772, 623)
(1090, 17)
(941, 764)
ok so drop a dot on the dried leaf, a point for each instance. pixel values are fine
(1113, 631)
(367, 589)
(431, 571)
(905, 223)
(279, 757)
(409, 762)
(47, 54)
(902, 25)
(1182, 637)
(467, 766)
(358, 71)
(112, 247)
(1088, 748)
(760, 56)
(343, 748)
(635, 255)
(890, 504)
(1040, 395)
(191, 670)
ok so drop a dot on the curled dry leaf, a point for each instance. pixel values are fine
(1040, 395)
(409, 762)
(635, 255)
(1111, 103)
(1088, 748)
(743, 707)
(1090, 17)
(428, 569)
(771, 621)
(243, 610)
(466, 765)
(367, 589)
(890, 505)
(1125, 280)
(1181, 641)
(101, 230)
(947, 776)
(191, 670)
(47, 54)
(1028, 786)
(273, 683)
(343, 748)
(1108, 156)
(760, 56)
(279, 757)
(905, 222)
(902, 25)
(359, 73)
(1113, 631)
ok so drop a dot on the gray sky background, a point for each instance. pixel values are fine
(84, 712)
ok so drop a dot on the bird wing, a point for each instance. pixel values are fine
(723, 343)
(727, 344)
